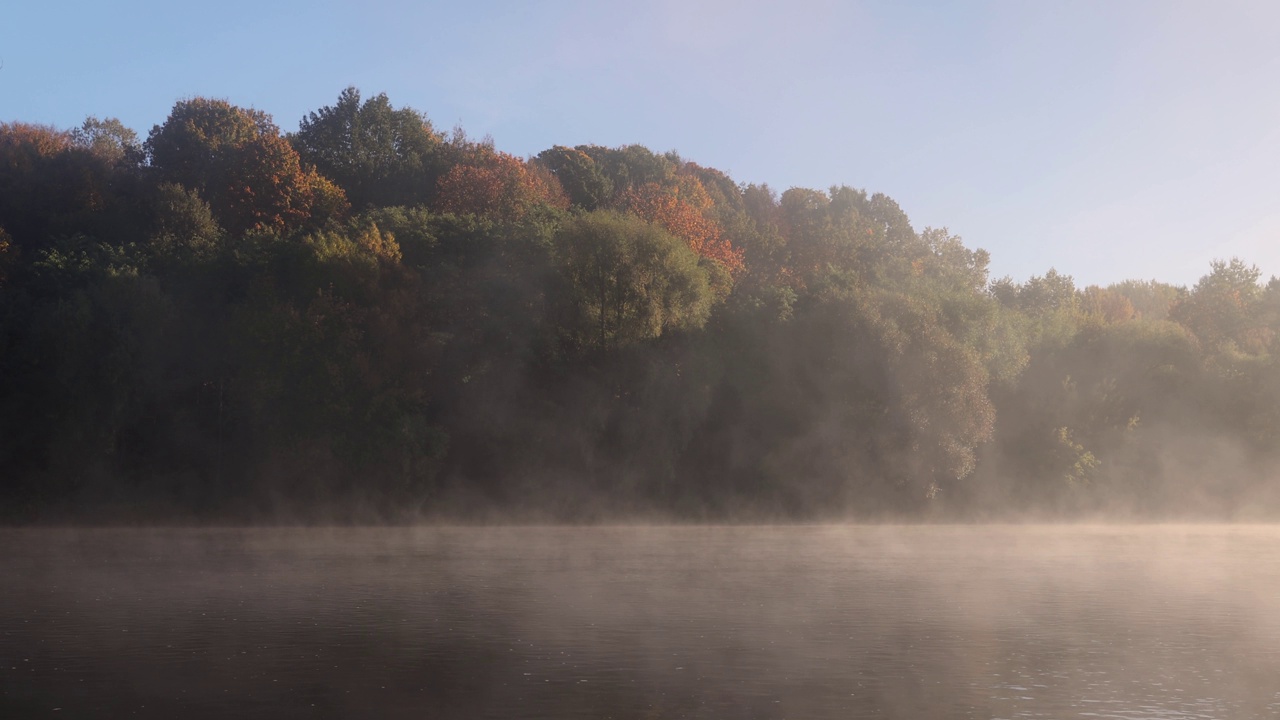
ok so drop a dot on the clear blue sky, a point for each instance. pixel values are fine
(1110, 140)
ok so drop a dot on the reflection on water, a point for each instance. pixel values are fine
(778, 622)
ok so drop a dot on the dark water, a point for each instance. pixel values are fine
(807, 622)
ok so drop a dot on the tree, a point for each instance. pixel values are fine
(935, 389)
(381, 156)
(109, 139)
(810, 235)
(632, 166)
(579, 175)
(29, 194)
(628, 281)
(184, 228)
(52, 184)
(764, 246)
(1047, 294)
(1151, 300)
(1106, 305)
(237, 161)
(945, 257)
(1223, 307)
(682, 211)
(488, 182)
(860, 401)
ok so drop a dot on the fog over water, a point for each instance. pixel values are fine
(371, 322)
(362, 412)
(643, 622)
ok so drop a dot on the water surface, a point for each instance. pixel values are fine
(719, 622)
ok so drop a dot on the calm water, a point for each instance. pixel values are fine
(796, 622)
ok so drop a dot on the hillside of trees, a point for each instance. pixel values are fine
(370, 319)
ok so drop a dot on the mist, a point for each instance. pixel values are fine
(379, 322)
(361, 412)
(637, 622)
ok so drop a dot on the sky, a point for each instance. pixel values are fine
(1110, 140)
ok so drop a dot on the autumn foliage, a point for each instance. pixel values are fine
(23, 144)
(203, 320)
(49, 185)
(682, 210)
(236, 159)
(488, 182)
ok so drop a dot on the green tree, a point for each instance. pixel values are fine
(628, 281)
(380, 155)
(582, 179)
(1151, 299)
(632, 166)
(1223, 307)
(110, 140)
(184, 227)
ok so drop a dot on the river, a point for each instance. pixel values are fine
(907, 622)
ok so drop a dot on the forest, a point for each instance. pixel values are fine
(371, 320)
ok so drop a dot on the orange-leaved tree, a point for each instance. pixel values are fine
(488, 182)
(238, 162)
(682, 210)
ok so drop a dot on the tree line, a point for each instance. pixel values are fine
(369, 318)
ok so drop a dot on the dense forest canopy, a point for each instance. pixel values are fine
(371, 319)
